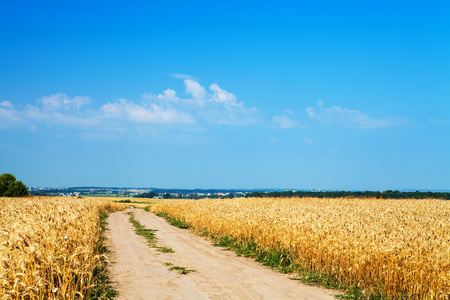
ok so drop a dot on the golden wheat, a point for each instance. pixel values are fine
(48, 246)
(399, 248)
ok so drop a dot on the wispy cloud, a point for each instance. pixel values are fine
(197, 107)
(59, 109)
(336, 115)
(214, 105)
(62, 101)
(308, 141)
(202, 107)
(286, 121)
(9, 116)
(183, 76)
(123, 109)
(440, 121)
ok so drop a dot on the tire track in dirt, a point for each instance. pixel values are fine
(139, 271)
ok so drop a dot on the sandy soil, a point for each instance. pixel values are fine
(139, 271)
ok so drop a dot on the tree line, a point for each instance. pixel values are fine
(389, 194)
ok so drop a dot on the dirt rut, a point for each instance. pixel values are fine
(140, 272)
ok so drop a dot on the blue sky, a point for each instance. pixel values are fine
(346, 95)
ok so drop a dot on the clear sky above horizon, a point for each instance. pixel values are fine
(346, 95)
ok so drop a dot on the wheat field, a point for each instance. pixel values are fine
(48, 246)
(399, 249)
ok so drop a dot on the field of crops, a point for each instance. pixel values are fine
(48, 246)
(399, 249)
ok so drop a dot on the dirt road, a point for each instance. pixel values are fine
(141, 272)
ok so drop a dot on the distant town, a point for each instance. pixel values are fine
(230, 193)
(136, 192)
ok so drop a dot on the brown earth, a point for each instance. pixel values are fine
(139, 271)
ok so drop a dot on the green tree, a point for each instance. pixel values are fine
(254, 194)
(287, 194)
(9, 187)
(147, 195)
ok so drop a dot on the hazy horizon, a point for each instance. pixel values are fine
(230, 189)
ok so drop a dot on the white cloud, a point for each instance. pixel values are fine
(142, 113)
(51, 110)
(284, 122)
(183, 76)
(200, 107)
(9, 116)
(77, 102)
(216, 106)
(52, 102)
(6, 104)
(226, 109)
(169, 95)
(350, 118)
(227, 99)
(53, 116)
(194, 89)
(34, 113)
(62, 101)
